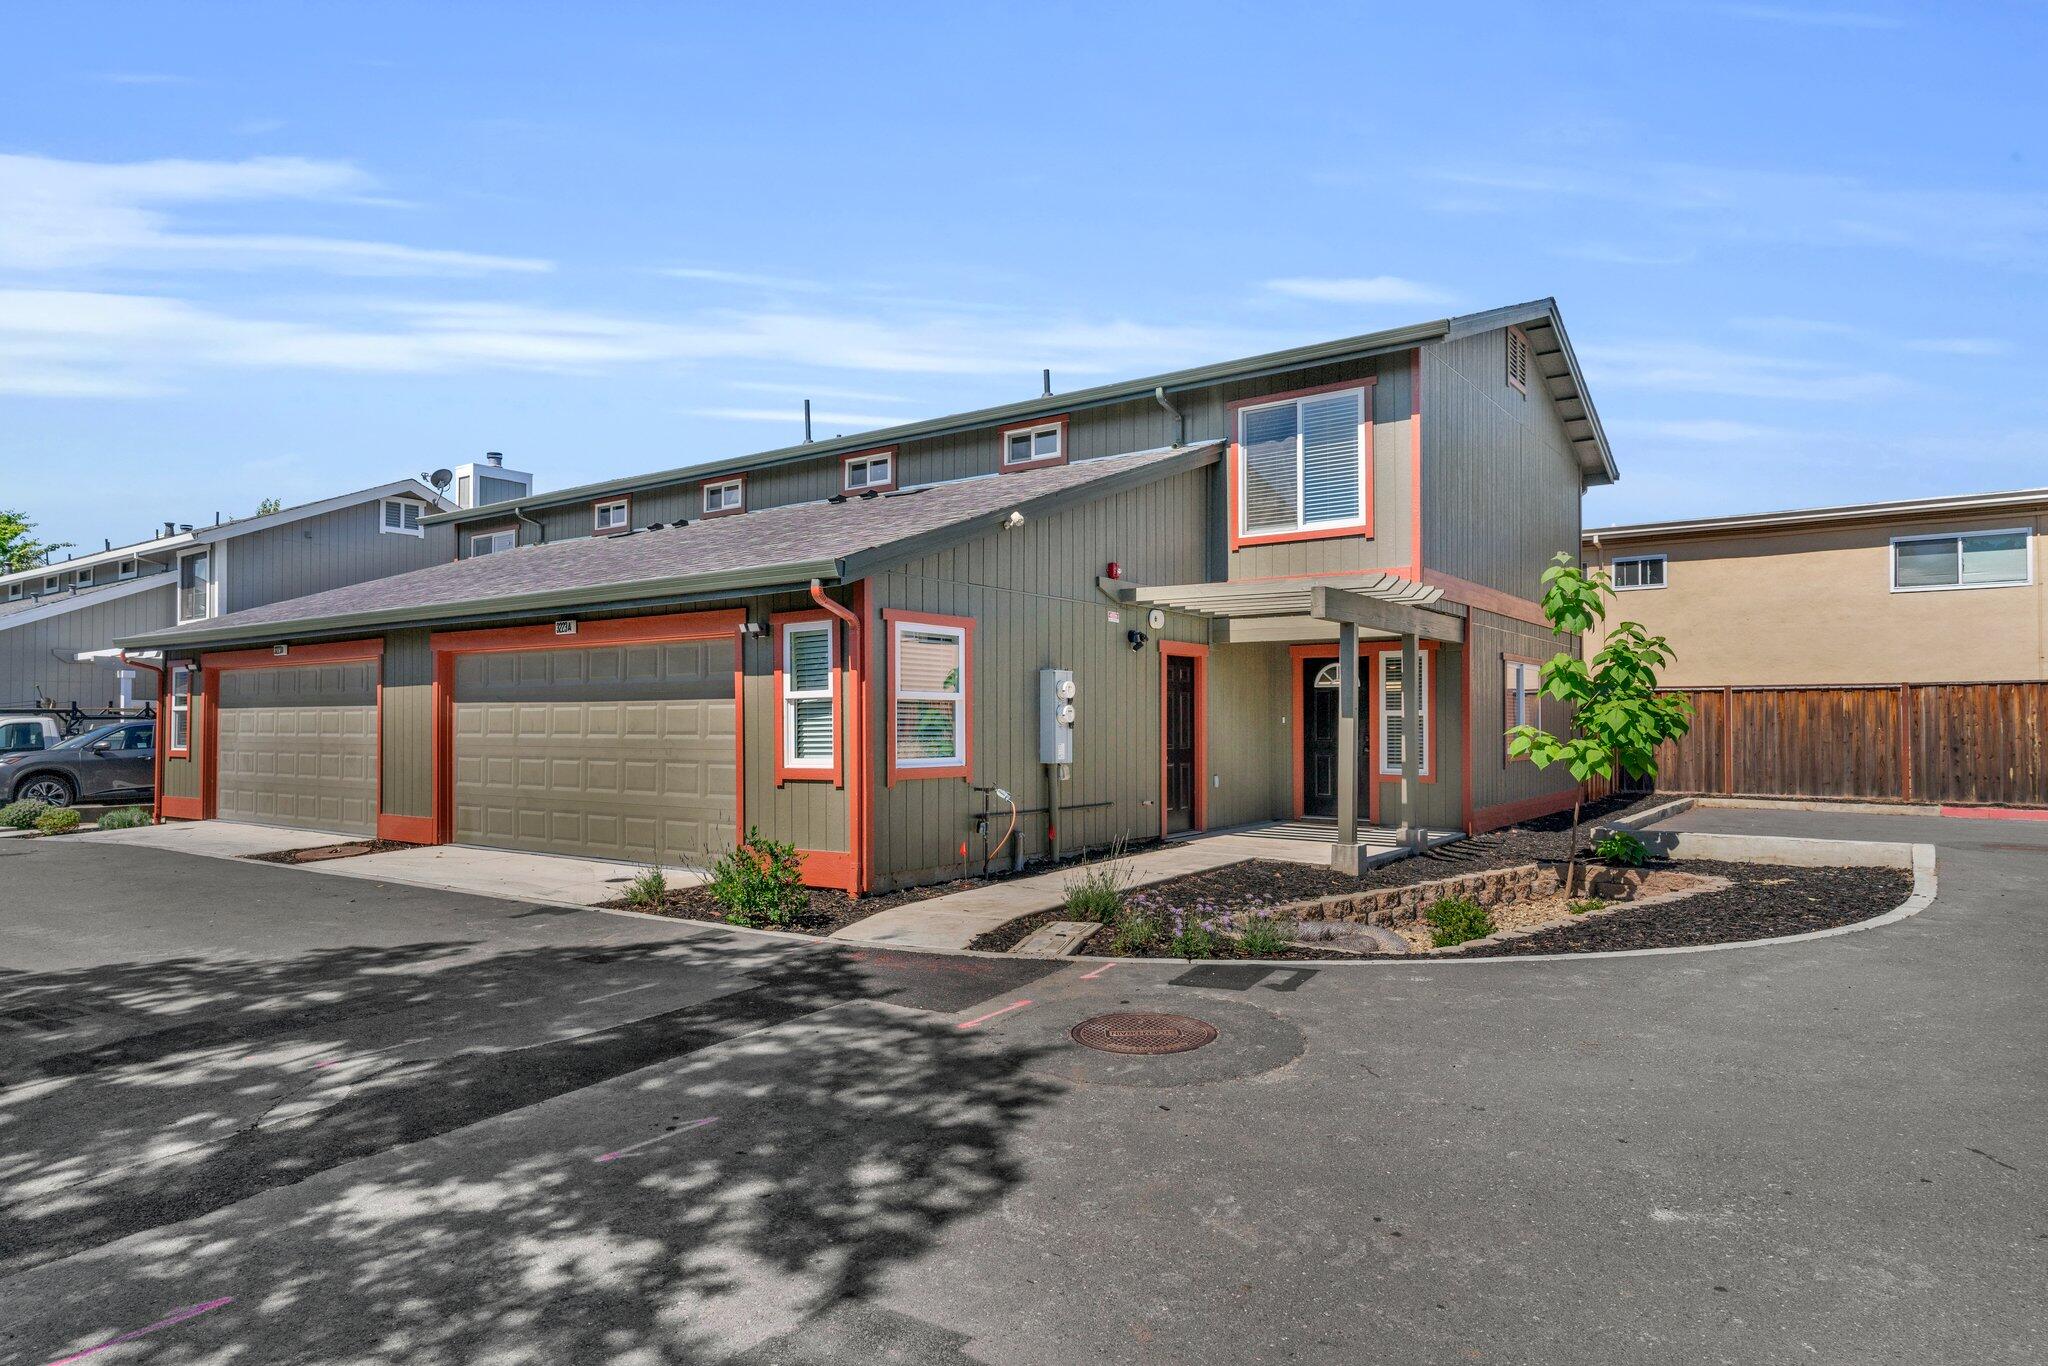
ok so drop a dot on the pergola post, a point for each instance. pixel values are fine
(1411, 758)
(1344, 853)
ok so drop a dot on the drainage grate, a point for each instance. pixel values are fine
(1134, 1032)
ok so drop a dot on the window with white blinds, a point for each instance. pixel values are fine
(1302, 464)
(807, 695)
(929, 710)
(1392, 741)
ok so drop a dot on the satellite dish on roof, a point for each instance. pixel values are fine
(441, 479)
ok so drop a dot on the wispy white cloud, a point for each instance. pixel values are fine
(74, 214)
(740, 278)
(1811, 18)
(1695, 368)
(1706, 431)
(1959, 346)
(1874, 337)
(1358, 289)
(793, 417)
(762, 386)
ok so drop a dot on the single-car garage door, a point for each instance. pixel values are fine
(298, 746)
(618, 752)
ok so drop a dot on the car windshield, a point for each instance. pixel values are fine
(82, 740)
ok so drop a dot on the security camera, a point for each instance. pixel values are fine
(1137, 639)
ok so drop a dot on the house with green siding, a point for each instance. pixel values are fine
(1298, 587)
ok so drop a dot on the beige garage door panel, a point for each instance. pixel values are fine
(298, 747)
(621, 752)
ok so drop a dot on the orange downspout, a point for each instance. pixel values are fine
(856, 731)
(156, 794)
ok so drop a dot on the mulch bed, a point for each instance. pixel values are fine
(827, 911)
(321, 853)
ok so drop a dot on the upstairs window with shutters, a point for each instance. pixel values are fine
(401, 517)
(809, 682)
(1392, 741)
(1303, 467)
(929, 667)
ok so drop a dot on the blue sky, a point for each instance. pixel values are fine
(278, 250)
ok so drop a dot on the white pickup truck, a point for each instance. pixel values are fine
(23, 730)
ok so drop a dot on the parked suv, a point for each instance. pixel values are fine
(110, 764)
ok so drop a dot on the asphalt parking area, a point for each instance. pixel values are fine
(254, 1114)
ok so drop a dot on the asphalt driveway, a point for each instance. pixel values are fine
(251, 1114)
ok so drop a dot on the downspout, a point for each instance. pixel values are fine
(156, 799)
(856, 738)
(540, 533)
(1180, 419)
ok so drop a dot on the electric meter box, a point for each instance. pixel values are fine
(1056, 716)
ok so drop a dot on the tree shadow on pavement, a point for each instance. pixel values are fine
(421, 1154)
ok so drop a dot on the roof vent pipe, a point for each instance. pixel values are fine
(1180, 419)
(1048, 382)
(170, 529)
(807, 422)
(496, 458)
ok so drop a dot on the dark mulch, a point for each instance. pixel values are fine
(1007, 936)
(320, 853)
(827, 911)
(1766, 901)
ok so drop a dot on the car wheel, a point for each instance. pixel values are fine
(51, 789)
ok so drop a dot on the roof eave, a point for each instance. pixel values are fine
(1959, 506)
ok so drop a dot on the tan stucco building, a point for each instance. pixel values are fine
(1922, 591)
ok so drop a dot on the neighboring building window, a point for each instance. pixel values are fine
(727, 495)
(1639, 571)
(181, 709)
(616, 515)
(81, 578)
(493, 542)
(401, 517)
(1302, 464)
(1521, 694)
(1975, 559)
(809, 729)
(125, 569)
(195, 586)
(462, 491)
(928, 671)
(1040, 443)
(1518, 359)
(14, 592)
(871, 470)
(1392, 742)
(51, 584)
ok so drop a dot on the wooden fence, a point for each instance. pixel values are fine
(1953, 743)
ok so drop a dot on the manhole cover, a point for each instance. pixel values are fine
(1135, 1032)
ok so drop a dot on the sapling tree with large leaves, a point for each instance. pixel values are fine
(1618, 717)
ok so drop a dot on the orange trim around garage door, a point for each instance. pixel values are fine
(661, 630)
(211, 666)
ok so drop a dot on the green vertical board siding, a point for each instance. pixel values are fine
(1501, 487)
(408, 724)
(1494, 779)
(318, 553)
(808, 814)
(1251, 734)
(1032, 597)
(181, 776)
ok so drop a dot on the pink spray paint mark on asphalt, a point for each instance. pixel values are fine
(984, 1019)
(1091, 976)
(617, 1153)
(183, 1314)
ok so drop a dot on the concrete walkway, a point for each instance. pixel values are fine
(954, 921)
(217, 839)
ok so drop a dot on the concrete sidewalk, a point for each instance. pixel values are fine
(954, 921)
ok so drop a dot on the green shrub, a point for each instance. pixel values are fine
(1134, 932)
(1622, 850)
(1192, 938)
(1455, 919)
(645, 890)
(127, 818)
(1099, 892)
(22, 815)
(1261, 935)
(58, 820)
(760, 882)
(1581, 907)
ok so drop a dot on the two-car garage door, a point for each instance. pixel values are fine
(623, 752)
(298, 746)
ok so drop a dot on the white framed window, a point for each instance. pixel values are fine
(493, 542)
(871, 470)
(401, 517)
(929, 662)
(1521, 695)
(725, 495)
(1518, 359)
(1964, 559)
(126, 569)
(196, 597)
(1302, 464)
(180, 724)
(1391, 739)
(1638, 571)
(809, 729)
(614, 514)
(52, 583)
(1041, 443)
(81, 578)
(14, 592)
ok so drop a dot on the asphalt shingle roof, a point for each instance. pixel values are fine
(815, 538)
